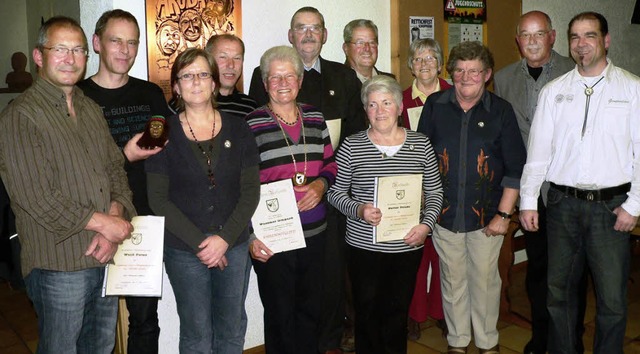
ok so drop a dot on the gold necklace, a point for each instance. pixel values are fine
(210, 154)
(299, 178)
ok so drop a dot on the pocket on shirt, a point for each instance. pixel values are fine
(616, 120)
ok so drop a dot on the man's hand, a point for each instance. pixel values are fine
(497, 226)
(313, 195)
(529, 220)
(101, 249)
(114, 228)
(259, 251)
(212, 251)
(625, 221)
(135, 153)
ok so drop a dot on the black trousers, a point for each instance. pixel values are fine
(143, 325)
(290, 285)
(382, 285)
(333, 291)
(536, 285)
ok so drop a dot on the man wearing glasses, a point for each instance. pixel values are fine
(361, 48)
(70, 195)
(128, 103)
(520, 83)
(335, 90)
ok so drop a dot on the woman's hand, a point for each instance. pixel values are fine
(417, 235)
(497, 226)
(259, 251)
(212, 251)
(313, 195)
(370, 214)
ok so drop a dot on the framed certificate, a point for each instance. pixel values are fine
(276, 221)
(399, 199)
(137, 265)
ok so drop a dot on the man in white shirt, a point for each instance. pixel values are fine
(585, 140)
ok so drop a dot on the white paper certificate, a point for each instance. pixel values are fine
(276, 221)
(398, 198)
(137, 268)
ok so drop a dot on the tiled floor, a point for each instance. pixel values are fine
(18, 332)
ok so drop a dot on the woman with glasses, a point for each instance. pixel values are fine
(481, 156)
(425, 62)
(293, 142)
(206, 184)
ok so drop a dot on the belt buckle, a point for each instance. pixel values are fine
(590, 196)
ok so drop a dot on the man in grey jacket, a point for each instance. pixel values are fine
(519, 83)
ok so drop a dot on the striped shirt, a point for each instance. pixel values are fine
(58, 172)
(276, 162)
(236, 103)
(359, 162)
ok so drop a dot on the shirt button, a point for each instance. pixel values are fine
(210, 208)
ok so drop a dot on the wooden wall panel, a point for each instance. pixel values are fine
(502, 17)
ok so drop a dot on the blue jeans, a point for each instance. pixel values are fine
(210, 302)
(73, 317)
(581, 231)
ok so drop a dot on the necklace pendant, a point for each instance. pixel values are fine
(588, 91)
(384, 155)
(299, 179)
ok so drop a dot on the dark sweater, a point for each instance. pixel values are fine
(180, 190)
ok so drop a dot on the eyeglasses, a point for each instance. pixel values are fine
(304, 28)
(276, 79)
(62, 52)
(424, 60)
(190, 76)
(535, 35)
(361, 44)
(472, 73)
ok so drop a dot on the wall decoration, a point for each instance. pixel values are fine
(175, 25)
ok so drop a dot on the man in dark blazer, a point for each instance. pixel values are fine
(361, 48)
(335, 90)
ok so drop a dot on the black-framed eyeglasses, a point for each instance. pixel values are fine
(190, 76)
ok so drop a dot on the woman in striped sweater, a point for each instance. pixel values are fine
(383, 274)
(293, 143)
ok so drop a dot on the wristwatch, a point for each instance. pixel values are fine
(503, 215)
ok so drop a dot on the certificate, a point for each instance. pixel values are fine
(137, 265)
(399, 199)
(276, 221)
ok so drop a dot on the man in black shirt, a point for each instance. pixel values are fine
(128, 103)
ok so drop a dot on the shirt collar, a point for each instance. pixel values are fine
(416, 93)
(449, 96)
(315, 66)
(374, 72)
(53, 92)
(606, 73)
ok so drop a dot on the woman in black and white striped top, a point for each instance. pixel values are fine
(383, 274)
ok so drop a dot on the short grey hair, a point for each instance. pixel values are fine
(382, 84)
(57, 22)
(470, 51)
(347, 33)
(424, 44)
(280, 53)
